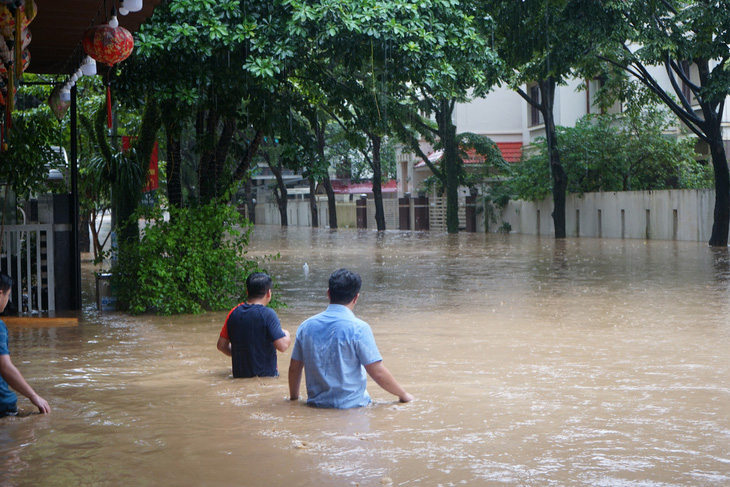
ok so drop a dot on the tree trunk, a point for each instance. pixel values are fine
(84, 240)
(560, 179)
(250, 201)
(721, 220)
(313, 202)
(331, 204)
(280, 190)
(211, 173)
(450, 165)
(174, 159)
(252, 149)
(377, 182)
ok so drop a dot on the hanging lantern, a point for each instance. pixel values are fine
(22, 66)
(4, 51)
(108, 45)
(25, 37)
(58, 106)
(25, 14)
(24, 60)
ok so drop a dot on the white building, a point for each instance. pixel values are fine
(505, 117)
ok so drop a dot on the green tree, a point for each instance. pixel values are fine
(29, 154)
(381, 61)
(125, 171)
(214, 66)
(616, 153)
(542, 42)
(690, 40)
(451, 62)
(474, 146)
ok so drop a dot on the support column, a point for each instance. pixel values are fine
(404, 212)
(362, 211)
(420, 213)
(471, 213)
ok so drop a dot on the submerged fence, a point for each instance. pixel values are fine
(27, 257)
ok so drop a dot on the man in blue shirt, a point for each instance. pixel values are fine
(335, 349)
(9, 374)
(252, 332)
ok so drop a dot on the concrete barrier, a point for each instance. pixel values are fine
(658, 215)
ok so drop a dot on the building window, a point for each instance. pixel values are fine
(535, 114)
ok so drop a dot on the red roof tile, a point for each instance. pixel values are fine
(511, 151)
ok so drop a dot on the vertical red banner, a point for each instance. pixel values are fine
(153, 181)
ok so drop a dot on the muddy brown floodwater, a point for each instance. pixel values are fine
(579, 363)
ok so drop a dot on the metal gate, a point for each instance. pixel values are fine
(27, 257)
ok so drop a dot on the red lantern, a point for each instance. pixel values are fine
(108, 45)
(8, 18)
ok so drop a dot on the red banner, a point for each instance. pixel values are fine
(153, 181)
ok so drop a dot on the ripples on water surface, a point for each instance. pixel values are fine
(534, 362)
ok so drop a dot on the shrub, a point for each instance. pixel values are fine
(194, 261)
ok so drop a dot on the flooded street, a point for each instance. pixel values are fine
(534, 362)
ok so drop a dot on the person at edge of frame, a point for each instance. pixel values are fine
(10, 376)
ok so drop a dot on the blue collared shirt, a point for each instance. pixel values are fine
(335, 346)
(7, 396)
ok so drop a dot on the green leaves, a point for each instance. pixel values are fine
(193, 262)
(600, 155)
(25, 164)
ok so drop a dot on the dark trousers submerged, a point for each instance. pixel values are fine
(8, 410)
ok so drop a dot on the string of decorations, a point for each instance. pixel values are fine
(107, 43)
(15, 16)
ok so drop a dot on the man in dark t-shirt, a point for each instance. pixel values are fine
(252, 332)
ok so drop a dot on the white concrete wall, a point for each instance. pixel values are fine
(299, 214)
(657, 215)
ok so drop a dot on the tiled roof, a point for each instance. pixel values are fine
(511, 151)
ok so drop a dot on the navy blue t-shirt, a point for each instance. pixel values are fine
(252, 329)
(8, 399)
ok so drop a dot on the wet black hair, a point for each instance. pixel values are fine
(258, 284)
(344, 285)
(6, 282)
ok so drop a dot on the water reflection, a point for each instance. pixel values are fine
(535, 362)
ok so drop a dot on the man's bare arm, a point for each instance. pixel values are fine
(224, 346)
(15, 379)
(295, 378)
(385, 379)
(282, 344)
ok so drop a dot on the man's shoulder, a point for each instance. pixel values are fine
(344, 322)
(245, 308)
